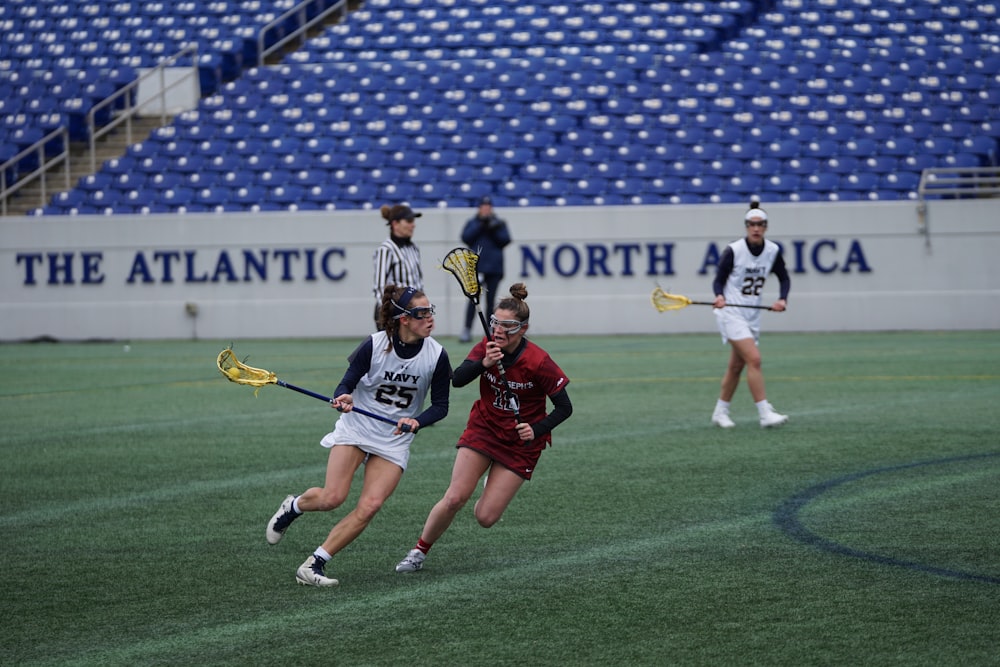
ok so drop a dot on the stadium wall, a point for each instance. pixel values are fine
(855, 266)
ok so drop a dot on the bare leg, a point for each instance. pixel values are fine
(745, 354)
(469, 467)
(731, 378)
(381, 479)
(503, 485)
(341, 465)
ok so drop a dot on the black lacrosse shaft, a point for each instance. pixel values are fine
(500, 369)
(404, 428)
(731, 305)
(728, 305)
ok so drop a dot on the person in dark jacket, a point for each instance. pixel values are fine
(487, 235)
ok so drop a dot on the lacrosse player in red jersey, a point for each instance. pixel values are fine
(390, 373)
(494, 441)
(743, 269)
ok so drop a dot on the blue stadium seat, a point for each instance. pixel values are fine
(458, 173)
(782, 149)
(823, 181)
(920, 161)
(899, 146)
(723, 167)
(212, 198)
(882, 164)
(802, 166)
(905, 181)
(494, 172)
(164, 180)
(961, 160)
(704, 184)
(537, 171)
(825, 90)
(764, 167)
(862, 181)
(983, 145)
(781, 183)
(862, 147)
(244, 197)
(667, 186)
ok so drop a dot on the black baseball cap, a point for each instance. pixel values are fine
(403, 212)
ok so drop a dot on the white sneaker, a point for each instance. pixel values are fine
(722, 420)
(772, 418)
(281, 520)
(310, 573)
(413, 561)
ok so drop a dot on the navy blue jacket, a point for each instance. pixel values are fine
(487, 237)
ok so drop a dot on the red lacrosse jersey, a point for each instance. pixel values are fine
(532, 377)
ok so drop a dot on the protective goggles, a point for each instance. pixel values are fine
(509, 327)
(418, 313)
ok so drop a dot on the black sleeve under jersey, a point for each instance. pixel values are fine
(784, 281)
(440, 390)
(467, 371)
(722, 272)
(361, 362)
(562, 408)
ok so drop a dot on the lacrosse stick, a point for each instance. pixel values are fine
(664, 302)
(238, 372)
(461, 263)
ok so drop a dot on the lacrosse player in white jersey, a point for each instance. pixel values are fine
(390, 374)
(743, 269)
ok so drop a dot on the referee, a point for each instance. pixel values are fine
(397, 259)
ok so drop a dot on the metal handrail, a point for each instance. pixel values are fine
(93, 131)
(130, 111)
(300, 8)
(955, 182)
(43, 166)
(958, 181)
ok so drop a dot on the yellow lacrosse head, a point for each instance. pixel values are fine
(664, 302)
(461, 263)
(238, 372)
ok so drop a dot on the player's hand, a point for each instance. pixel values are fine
(343, 403)
(720, 302)
(525, 432)
(779, 305)
(493, 354)
(406, 425)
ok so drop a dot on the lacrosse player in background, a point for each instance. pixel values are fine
(397, 259)
(390, 373)
(494, 441)
(739, 281)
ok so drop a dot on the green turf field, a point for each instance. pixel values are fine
(136, 486)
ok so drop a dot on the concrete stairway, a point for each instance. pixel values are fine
(110, 146)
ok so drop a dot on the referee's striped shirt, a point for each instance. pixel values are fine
(396, 265)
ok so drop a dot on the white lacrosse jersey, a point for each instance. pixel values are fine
(393, 387)
(746, 282)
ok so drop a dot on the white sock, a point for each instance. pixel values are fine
(321, 553)
(722, 406)
(763, 407)
(295, 505)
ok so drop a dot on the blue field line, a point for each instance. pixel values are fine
(786, 517)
